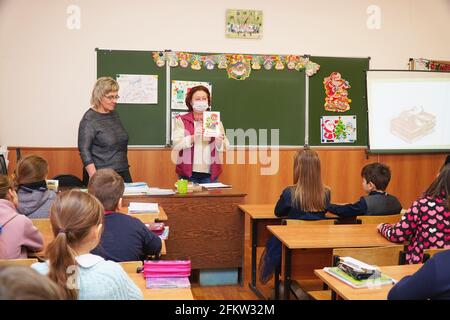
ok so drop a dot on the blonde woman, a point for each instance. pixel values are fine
(35, 199)
(77, 223)
(102, 139)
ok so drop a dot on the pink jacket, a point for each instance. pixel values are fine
(184, 166)
(18, 235)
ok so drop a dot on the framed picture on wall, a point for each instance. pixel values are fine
(245, 24)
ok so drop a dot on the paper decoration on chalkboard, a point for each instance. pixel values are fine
(338, 129)
(336, 87)
(246, 24)
(235, 64)
(181, 88)
(239, 68)
(432, 65)
(137, 88)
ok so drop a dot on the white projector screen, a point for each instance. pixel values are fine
(409, 111)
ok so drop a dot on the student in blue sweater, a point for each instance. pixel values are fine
(76, 218)
(375, 179)
(124, 238)
(306, 200)
(431, 281)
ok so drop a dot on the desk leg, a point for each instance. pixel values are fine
(254, 239)
(287, 272)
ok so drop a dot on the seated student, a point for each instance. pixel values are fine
(24, 283)
(35, 199)
(17, 233)
(124, 238)
(306, 200)
(431, 281)
(375, 179)
(426, 223)
(76, 218)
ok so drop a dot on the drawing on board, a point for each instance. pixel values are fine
(138, 88)
(338, 129)
(413, 124)
(181, 88)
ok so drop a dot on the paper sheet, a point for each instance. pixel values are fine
(138, 88)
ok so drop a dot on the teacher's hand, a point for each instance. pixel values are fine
(220, 138)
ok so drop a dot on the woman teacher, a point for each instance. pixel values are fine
(198, 156)
(102, 139)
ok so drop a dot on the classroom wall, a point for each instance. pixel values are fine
(47, 70)
(341, 171)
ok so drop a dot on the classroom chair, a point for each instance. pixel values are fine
(379, 256)
(69, 181)
(393, 218)
(428, 253)
(131, 266)
(294, 222)
(17, 262)
(3, 168)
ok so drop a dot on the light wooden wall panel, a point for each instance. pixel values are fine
(341, 168)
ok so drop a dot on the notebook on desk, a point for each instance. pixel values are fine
(215, 185)
(358, 284)
(143, 207)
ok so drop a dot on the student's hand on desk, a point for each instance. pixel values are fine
(379, 226)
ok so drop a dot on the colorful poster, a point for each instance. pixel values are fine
(338, 129)
(137, 88)
(246, 24)
(336, 87)
(181, 88)
(211, 121)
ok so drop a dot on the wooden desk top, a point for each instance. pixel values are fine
(147, 217)
(259, 211)
(266, 211)
(160, 294)
(377, 293)
(226, 192)
(329, 236)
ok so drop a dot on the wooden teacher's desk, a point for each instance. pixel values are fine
(205, 227)
(323, 236)
(347, 292)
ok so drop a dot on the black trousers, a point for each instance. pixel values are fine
(126, 176)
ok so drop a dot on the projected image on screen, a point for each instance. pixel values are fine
(408, 111)
(413, 124)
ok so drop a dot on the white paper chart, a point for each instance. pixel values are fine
(138, 88)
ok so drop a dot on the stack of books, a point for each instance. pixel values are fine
(136, 188)
(143, 207)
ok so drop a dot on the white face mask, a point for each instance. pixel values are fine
(200, 106)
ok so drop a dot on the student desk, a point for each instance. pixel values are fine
(347, 292)
(261, 215)
(160, 294)
(44, 226)
(205, 227)
(322, 237)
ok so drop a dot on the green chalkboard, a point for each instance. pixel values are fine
(352, 70)
(266, 100)
(145, 123)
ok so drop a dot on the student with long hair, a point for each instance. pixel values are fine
(76, 218)
(305, 200)
(35, 199)
(426, 224)
(18, 236)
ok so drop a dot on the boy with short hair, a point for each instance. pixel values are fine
(124, 238)
(375, 179)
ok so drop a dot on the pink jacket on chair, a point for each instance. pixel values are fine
(18, 235)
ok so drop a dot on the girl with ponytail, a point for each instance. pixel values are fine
(17, 233)
(76, 218)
